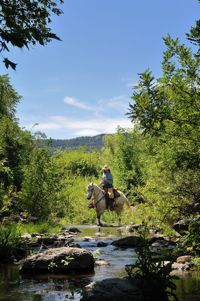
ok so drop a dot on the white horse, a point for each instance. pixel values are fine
(99, 201)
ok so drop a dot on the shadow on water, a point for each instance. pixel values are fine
(14, 287)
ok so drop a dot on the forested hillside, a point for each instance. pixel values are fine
(92, 143)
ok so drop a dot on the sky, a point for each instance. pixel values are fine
(82, 85)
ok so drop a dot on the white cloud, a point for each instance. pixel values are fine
(131, 84)
(89, 127)
(87, 132)
(74, 102)
(118, 103)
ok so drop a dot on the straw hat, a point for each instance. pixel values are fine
(106, 167)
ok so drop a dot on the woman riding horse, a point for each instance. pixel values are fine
(107, 182)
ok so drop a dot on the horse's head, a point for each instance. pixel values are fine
(90, 190)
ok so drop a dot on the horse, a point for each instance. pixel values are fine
(99, 201)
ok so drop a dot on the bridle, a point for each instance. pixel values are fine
(94, 197)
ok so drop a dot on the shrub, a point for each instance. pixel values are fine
(152, 278)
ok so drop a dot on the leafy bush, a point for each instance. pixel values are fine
(152, 278)
(192, 238)
(9, 238)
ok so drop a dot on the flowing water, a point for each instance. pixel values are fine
(15, 287)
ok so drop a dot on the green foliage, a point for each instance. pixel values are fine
(67, 260)
(41, 192)
(15, 143)
(194, 35)
(25, 23)
(168, 115)
(96, 254)
(195, 262)
(92, 143)
(154, 279)
(192, 238)
(127, 148)
(52, 266)
(81, 162)
(9, 238)
(48, 227)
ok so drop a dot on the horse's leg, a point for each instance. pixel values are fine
(98, 220)
(99, 213)
(118, 210)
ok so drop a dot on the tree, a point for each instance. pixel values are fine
(15, 143)
(23, 23)
(194, 35)
(128, 149)
(169, 108)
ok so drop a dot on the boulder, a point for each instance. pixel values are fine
(46, 240)
(181, 226)
(117, 289)
(32, 219)
(184, 259)
(63, 260)
(160, 243)
(101, 262)
(178, 266)
(127, 242)
(102, 244)
(74, 230)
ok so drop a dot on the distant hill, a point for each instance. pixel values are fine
(95, 142)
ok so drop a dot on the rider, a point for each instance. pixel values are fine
(107, 182)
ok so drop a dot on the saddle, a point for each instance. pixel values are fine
(115, 190)
(111, 203)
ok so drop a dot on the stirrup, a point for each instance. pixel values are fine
(91, 205)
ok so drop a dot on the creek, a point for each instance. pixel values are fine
(16, 287)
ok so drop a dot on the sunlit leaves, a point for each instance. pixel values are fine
(25, 23)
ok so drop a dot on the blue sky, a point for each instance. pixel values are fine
(82, 85)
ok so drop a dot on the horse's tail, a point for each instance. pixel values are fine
(127, 204)
(126, 201)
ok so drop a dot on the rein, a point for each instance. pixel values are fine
(97, 196)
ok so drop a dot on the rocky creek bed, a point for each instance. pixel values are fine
(41, 279)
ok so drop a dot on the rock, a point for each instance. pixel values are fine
(178, 266)
(159, 244)
(32, 219)
(58, 244)
(151, 240)
(184, 259)
(46, 240)
(62, 243)
(87, 238)
(74, 230)
(102, 244)
(72, 245)
(127, 242)
(101, 262)
(26, 236)
(12, 218)
(134, 227)
(19, 253)
(117, 289)
(181, 226)
(63, 260)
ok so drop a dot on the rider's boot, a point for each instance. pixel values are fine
(111, 204)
